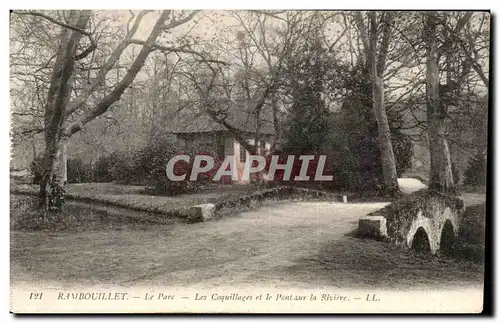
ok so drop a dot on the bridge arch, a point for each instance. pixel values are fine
(421, 229)
(416, 220)
(420, 241)
(447, 239)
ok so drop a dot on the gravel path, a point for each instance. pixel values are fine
(300, 245)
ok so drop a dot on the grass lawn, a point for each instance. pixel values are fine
(134, 197)
(79, 217)
(107, 201)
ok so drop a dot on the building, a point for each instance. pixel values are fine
(197, 131)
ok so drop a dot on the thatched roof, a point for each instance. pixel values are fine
(238, 115)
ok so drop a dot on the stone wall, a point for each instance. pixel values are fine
(209, 211)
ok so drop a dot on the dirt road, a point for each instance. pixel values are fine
(304, 245)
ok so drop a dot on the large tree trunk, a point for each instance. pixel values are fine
(441, 176)
(57, 100)
(377, 64)
(257, 140)
(58, 106)
(61, 174)
(276, 121)
(389, 173)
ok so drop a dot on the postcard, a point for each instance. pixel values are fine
(248, 161)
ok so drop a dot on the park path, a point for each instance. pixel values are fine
(299, 244)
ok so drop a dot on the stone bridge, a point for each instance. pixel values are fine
(423, 221)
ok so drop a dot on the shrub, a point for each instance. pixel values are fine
(165, 186)
(150, 162)
(475, 174)
(78, 171)
(102, 170)
(136, 167)
(147, 166)
(359, 166)
(56, 197)
(121, 167)
(36, 169)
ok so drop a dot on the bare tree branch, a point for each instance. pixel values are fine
(106, 67)
(55, 21)
(384, 46)
(134, 69)
(174, 22)
(80, 56)
(183, 49)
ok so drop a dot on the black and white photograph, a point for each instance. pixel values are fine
(249, 161)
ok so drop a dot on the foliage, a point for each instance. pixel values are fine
(165, 186)
(348, 136)
(361, 162)
(101, 171)
(121, 167)
(56, 197)
(307, 126)
(150, 162)
(475, 174)
(310, 126)
(146, 166)
(36, 169)
(310, 69)
(401, 213)
(78, 172)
